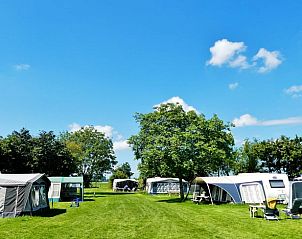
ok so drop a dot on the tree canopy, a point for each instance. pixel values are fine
(282, 155)
(92, 150)
(175, 143)
(20, 152)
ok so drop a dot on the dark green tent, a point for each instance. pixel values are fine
(23, 193)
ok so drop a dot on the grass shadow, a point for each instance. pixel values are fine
(100, 194)
(171, 200)
(51, 212)
(89, 200)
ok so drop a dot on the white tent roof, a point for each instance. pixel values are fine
(18, 179)
(123, 179)
(159, 179)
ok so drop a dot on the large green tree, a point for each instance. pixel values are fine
(51, 156)
(175, 143)
(92, 150)
(16, 155)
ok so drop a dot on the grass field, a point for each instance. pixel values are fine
(121, 215)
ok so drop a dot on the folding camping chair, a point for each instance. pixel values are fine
(270, 211)
(75, 202)
(296, 210)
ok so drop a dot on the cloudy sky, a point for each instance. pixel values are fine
(67, 64)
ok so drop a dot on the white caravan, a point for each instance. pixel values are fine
(245, 187)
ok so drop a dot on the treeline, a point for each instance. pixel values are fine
(282, 155)
(86, 152)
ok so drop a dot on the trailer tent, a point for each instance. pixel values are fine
(159, 185)
(66, 189)
(295, 192)
(120, 184)
(23, 193)
(244, 188)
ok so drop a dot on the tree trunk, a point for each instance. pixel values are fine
(181, 190)
(187, 194)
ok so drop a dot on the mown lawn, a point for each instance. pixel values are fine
(121, 215)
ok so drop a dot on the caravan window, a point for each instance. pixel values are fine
(276, 183)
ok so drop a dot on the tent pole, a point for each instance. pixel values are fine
(16, 204)
(210, 194)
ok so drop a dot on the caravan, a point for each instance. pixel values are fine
(244, 188)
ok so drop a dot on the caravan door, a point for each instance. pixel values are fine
(252, 193)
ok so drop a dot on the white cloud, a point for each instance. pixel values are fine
(249, 120)
(120, 145)
(294, 91)
(178, 100)
(227, 52)
(245, 120)
(240, 62)
(233, 86)
(107, 130)
(271, 60)
(22, 67)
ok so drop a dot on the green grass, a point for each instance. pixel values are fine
(121, 215)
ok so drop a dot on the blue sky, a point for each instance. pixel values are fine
(66, 64)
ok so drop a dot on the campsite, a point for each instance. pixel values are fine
(137, 215)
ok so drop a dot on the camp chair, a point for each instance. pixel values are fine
(75, 202)
(295, 210)
(270, 211)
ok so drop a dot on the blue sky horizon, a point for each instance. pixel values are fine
(68, 64)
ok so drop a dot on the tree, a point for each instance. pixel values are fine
(122, 171)
(92, 150)
(175, 143)
(126, 169)
(51, 156)
(17, 152)
(248, 158)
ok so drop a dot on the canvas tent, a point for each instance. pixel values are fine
(160, 185)
(244, 188)
(66, 189)
(120, 184)
(295, 192)
(23, 193)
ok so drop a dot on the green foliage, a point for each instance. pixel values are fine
(283, 155)
(22, 153)
(51, 157)
(16, 156)
(175, 143)
(92, 150)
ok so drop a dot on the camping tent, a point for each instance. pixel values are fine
(23, 193)
(295, 192)
(245, 187)
(120, 184)
(159, 185)
(66, 188)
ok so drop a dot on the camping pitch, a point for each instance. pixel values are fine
(159, 185)
(244, 188)
(23, 193)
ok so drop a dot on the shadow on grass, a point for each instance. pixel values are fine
(171, 200)
(89, 200)
(50, 213)
(102, 194)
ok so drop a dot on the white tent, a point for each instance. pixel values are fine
(124, 184)
(245, 188)
(295, 192)
(159, 185)
(23, 193)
